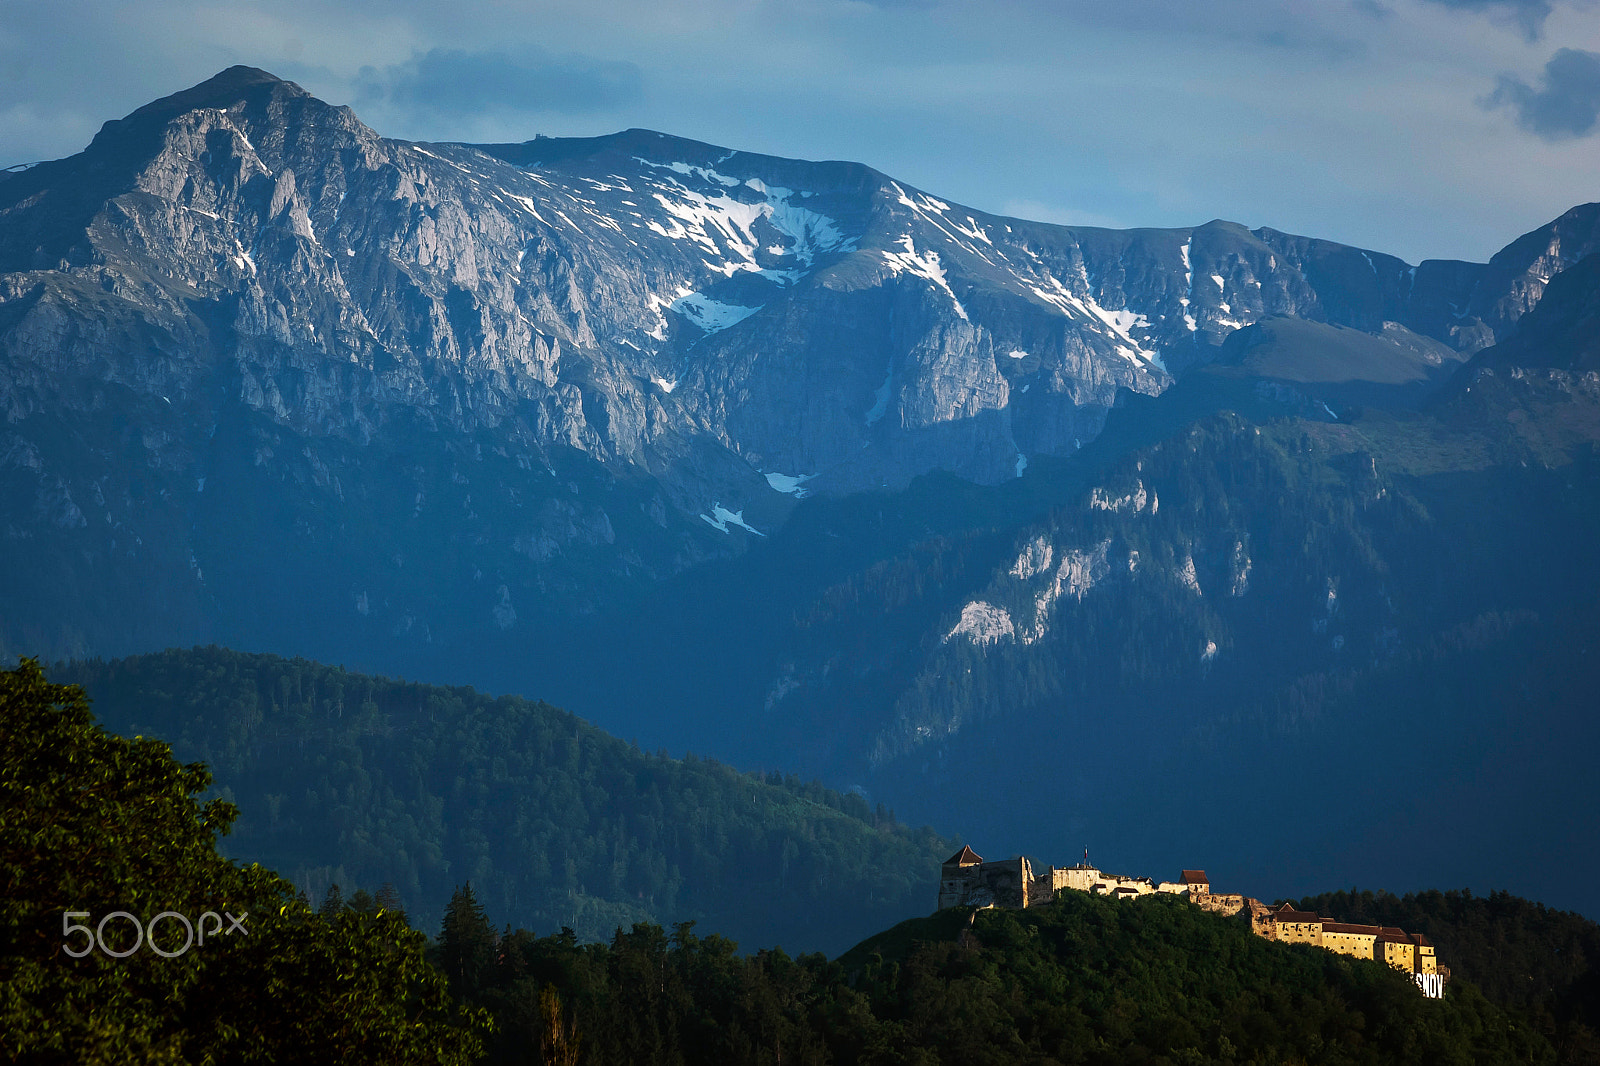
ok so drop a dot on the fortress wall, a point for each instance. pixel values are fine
(1218, 903)
(1011, 883)
(1402, 956)
(955, 886)
(1356, 945)
(1081, 878)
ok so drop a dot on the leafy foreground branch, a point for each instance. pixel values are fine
(92, 824)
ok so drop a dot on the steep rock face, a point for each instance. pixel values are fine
(1561, 332)
(532, 370)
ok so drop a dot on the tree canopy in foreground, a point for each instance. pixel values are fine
(92, 824)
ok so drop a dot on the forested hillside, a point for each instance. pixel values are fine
(1083, 980)
(97, 822)
(1521, 953)
(363, 781)
(1382, 626)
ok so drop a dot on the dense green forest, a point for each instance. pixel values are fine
(1522, 954)
(95, 823)
(1083, 980)
(364, 781)
(99, 834)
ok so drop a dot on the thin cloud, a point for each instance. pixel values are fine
(452, 82)
(1528, 14)
(1566, 104)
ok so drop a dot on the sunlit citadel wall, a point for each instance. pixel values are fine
(966, 880)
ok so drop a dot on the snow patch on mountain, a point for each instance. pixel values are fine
(1121, 323)
(925, 265)
(704, 219)
(696, 218)
(812, 232)
(1187, 300)
(721, 518)
(658, 303)
(790, 484)
(973, 230)
(708, 314)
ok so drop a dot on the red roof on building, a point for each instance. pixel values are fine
(965, 857)
(1346, 927)
(1194, 877)
(1286, 913)
(1421, 941)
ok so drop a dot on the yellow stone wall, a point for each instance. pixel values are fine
(1400, 956)
(1300, 932)
(1356, 945)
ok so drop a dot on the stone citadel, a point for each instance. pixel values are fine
(966, 880)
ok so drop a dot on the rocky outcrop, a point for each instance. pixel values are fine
(692, 328)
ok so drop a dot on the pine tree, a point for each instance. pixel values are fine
(332, 903)
(466, 943)
(388, 900)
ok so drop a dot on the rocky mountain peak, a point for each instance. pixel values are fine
(247, 98)
(1515, 279)
(719, 331)
(236, 87)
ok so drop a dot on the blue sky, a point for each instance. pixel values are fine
(1425, 128)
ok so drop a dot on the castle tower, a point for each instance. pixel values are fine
(957, 876)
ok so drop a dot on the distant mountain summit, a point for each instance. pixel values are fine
(1061, 535)
(445, 386)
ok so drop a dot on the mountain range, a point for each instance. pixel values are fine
(1047, 535)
